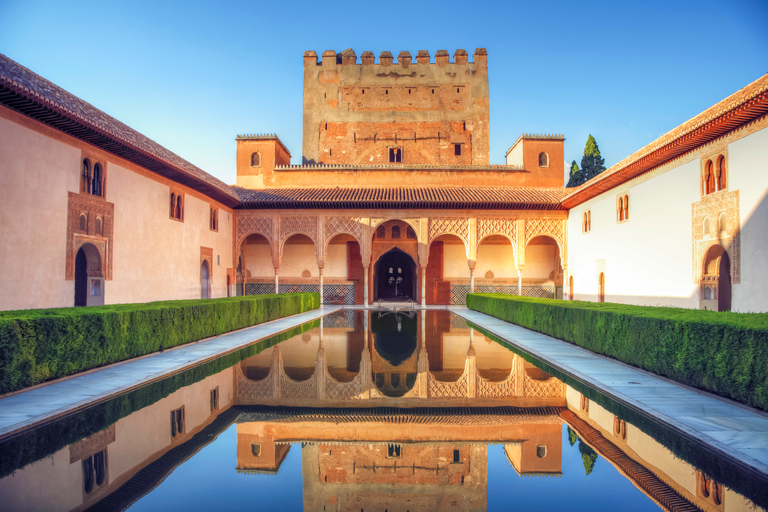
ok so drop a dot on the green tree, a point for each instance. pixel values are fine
(588, 456)
(572, 437)
(592, 163)
(575, 176)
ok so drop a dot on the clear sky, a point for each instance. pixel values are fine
(192, 75)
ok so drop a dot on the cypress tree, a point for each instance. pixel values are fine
(592, 163)
(575, 176)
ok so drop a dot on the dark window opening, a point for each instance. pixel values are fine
(214, 399)
(177, 422)
(457, 149)
(255, 159)
(96, 181)
(94, 471)
(395, 155)
(395, 231)
(456, 456)
(394, 451)
(86, 177)
(386, 91)
(543, 159)
(381, 232)
(410, 233)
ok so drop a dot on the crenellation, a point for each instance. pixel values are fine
(310, 58)
(360, 111)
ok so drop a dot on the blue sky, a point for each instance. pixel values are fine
(192, 75)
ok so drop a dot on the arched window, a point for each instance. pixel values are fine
(255, 159)
(173, 205)
(381, 232)
(99, 230)
(709, 178)
(585, 222)
(395, 231)
(589, 220)
(395, 155)
(83, 222)
(410, 233)
(722, 223)
(721, 173)
(620, 210)
(543, 159)
(626, 207)
(214, 219)
(179, 209)
(85, 180)
(96, 188)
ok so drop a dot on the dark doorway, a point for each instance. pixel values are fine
(724, 284)
(205, 281)
(81, 278)
(395, 277)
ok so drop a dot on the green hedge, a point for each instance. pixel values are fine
(725, 353)
(42, 344)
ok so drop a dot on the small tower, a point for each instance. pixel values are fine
(257, 156)
(542, 156)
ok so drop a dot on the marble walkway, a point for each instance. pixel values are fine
(57, 398)
(732, 429)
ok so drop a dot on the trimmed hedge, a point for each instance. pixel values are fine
(42, 344)
(724, 353)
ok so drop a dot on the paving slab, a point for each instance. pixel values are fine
(730, 428)
(57, 398)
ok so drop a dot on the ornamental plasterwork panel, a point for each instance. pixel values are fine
(98, 229)
(349, 225)
(716, 221)
(507, 227)
(551, 227)
(449, 225)
(301, 225)
(248, 225)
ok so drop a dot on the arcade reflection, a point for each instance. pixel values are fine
(389, 411)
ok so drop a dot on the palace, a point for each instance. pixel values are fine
(395, 200)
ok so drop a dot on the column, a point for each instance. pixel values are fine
(365, 286)
(520, 281)
(277, 286)
(320, 364)
(471, 280)
(321, 286)
(423, 287)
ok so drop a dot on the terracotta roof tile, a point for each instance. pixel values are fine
(38, 98)
(483, 198)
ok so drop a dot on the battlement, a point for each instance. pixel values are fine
(348, 57)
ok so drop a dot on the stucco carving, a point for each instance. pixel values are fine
(298, 225)
(96, 211)
(722, 210)
(550, 227)
(449, 225)
(350, 225)
(497, 226)
(248, 225)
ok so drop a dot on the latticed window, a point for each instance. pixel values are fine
(543, 159)
(256, 159)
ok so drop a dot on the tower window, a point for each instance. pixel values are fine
(255, 159)
(457, 149)
(395, 155)
(543, 159)
(456, 456)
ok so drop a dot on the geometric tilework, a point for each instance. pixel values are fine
(259, 288)
(342, 318)
(339, 294)
(459, 291)
(298, 288)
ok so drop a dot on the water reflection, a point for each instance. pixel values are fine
(387, 412)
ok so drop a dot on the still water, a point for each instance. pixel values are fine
(410, 411)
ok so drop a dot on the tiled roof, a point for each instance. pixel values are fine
(484, 198)
(34, 96)
(738, 109)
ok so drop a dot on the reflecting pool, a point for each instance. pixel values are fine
(367, 410)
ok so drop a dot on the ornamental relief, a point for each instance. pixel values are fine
(298, 225)
(506, 227)
(449, 225)
(414, 222)
(716, 221)
(90, 219)
(248, 225)
(550, 227)
(349, 225)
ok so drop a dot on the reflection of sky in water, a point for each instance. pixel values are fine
(209, 481)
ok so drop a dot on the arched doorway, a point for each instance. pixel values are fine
(89, 282)
(601, 288)
(255, 268)
(543, 271)
(716, 280)
(205, 281)
(396, 277)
